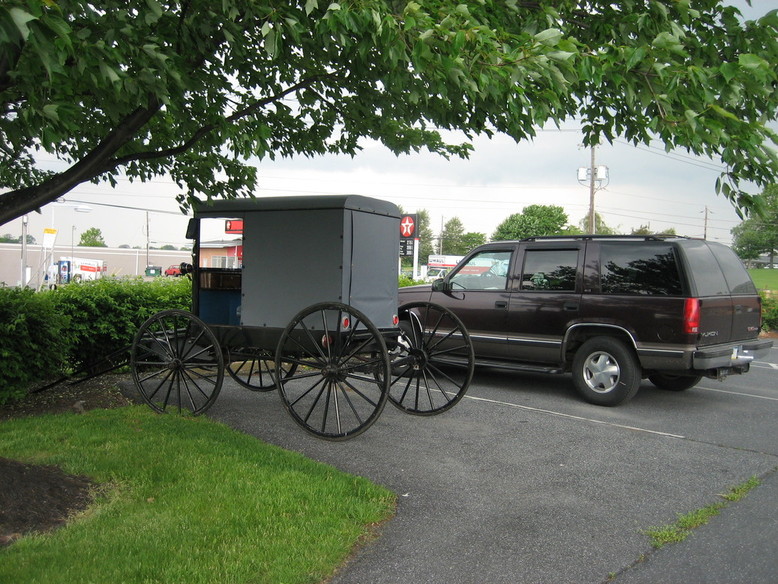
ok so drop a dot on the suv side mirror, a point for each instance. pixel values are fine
(440, 285)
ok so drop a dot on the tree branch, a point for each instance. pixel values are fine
(21, 201)
(205, 130)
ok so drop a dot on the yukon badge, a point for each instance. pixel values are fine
(708, 334)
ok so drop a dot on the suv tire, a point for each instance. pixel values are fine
(606, 372)
(674, 382)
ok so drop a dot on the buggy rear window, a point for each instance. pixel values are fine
(647, 268)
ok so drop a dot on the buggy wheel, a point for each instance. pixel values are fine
(341, 378)
(177, 363)
(254, 368)
(432, 360)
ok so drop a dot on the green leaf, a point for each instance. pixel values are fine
(751, 61)
(50, 111)
(20, 19)
(549, 37)
(729, 71)
(723, 113)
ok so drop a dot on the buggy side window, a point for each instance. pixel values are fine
(487, 270)
(550, 269)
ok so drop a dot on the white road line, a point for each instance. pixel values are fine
(738, 393)
(561, 415)
(764, 365)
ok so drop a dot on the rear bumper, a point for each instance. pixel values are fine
(736, 356)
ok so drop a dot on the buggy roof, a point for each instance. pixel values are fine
(238, 207)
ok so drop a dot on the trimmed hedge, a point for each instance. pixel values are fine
(104, 315)
(32, 340)
(46, 334)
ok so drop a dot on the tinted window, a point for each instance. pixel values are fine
(704, 269)
(487, 270)
(549, 269)
(734, 272)
(644, 268)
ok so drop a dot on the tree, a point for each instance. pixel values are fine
(759, 235)
(646, 230)
(451, 237)
(600, 228)
(92, 237)
(426, 236)
(471, 240)
(533, 221)
(198, 90)
(8, 238)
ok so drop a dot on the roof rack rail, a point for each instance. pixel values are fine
(651, 237)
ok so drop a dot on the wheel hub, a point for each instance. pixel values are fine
(419, 358)
(175, 364)
(333, 372)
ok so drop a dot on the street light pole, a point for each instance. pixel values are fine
(23, 281)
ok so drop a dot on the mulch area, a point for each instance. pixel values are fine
(38, 498)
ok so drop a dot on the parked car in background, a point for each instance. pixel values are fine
(174, 270)
(435, 273)
(610, 310)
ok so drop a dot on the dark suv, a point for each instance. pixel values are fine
(610, 310)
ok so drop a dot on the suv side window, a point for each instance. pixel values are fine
(648, 268)
(487, 270)
(549, 269)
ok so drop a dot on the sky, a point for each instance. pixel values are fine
(645, 186)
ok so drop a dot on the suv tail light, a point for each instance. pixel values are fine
(691, 316)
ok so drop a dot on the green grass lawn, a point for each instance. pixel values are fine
(765, 279)
(186, 500)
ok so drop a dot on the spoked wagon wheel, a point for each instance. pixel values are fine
(432, 360)
(341, 380)
(254, 368)
(177, 363)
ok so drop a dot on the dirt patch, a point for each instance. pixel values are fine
(37, 498)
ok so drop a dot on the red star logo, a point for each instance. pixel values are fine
(407, 226)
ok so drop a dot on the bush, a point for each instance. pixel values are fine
(404, 281)
(105, 314)
(769, 312)
(32, 346)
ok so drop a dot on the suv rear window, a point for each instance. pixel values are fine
(648, 268)
(734, 272)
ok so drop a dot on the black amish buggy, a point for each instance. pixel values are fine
(304, 301)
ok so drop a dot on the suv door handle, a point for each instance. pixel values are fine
(571, 306)
(501, 304)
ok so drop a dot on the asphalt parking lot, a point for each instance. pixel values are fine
(524, 482)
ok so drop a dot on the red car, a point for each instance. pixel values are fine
(174, 270)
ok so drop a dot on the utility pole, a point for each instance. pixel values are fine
(705, 225)
(440, 241)
(592, 190)
(595, 176)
